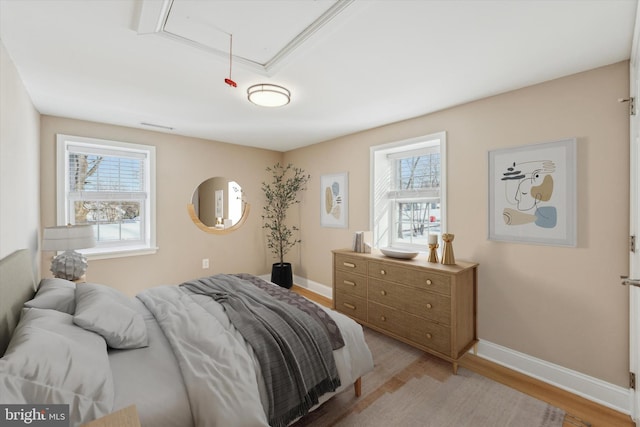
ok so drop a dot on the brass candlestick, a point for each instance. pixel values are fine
(447, 249)
(433, 253)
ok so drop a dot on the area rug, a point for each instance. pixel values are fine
(411, 388)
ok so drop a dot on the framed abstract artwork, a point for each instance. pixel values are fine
(532, 194)
(334, 200)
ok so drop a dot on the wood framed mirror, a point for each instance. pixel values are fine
(217, 206)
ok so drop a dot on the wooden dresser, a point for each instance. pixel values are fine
(427, 305)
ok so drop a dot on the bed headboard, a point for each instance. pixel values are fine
(16, 287)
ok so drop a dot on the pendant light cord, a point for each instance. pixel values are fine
(230, 53)
(229, 81)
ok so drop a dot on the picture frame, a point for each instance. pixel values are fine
(533, 194)
(334, 200)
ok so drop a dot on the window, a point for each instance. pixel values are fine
(111, 186)
(408, 191)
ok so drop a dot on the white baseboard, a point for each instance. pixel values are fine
(606, 394)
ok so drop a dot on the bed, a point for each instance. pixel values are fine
(187, 355)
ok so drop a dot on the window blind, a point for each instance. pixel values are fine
(99, 173)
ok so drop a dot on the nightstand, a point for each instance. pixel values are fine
(127, 417)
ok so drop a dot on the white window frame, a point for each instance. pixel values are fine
(120, 248)
(381, 174)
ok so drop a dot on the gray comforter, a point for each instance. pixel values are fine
(293, 350)
(222, 375)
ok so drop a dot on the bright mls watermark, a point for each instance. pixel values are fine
(34, 415)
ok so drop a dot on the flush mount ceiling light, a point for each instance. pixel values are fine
(268, 95)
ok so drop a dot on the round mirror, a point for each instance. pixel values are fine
(217, 206)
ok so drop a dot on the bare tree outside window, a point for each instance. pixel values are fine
(102, 186)
(416, 174)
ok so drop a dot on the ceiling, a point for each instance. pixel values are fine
(350, 65)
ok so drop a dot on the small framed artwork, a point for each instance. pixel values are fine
(532, 194)
(334, 200)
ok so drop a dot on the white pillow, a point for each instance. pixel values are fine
(110, 313)
(55, 294)
(52, 361)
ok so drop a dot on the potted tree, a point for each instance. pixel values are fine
(281, 193)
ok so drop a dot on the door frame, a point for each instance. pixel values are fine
(634, 220)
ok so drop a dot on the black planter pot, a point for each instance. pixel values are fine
(282, 275)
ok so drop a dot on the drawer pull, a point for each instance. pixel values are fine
(348, 282)
(429, 282)
(383, 293)
(429, 336)
(429, 306)
(383, 272)
(351, 306)
(349, 264)
(384, 319)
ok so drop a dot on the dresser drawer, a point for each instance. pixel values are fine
(351, 283)
(351, 305)
(424, 279)
(353, 264)
(415, 301)
(428, 334)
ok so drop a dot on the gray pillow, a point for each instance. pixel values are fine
(55, 294)
(110, 313)
(52, 361)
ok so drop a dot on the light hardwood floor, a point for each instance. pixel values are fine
(327, 302)
(581, 412)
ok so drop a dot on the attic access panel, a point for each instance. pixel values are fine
(264, 32)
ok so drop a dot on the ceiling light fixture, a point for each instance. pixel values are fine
(268, 95)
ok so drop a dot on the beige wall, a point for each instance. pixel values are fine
(182, 164)
(19, 163)
(562, 305)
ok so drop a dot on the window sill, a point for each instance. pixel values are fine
(121, 253)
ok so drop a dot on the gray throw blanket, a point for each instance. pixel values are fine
(298, 301)
(294, 352)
